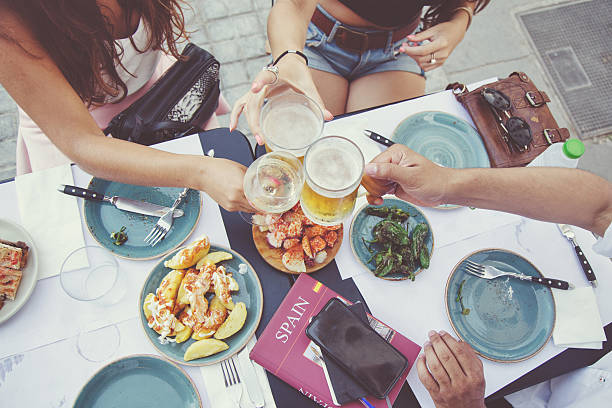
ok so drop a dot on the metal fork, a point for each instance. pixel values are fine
(232, 380)
(491, 272)
(164, 224)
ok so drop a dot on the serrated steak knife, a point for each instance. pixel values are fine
(568, 233)
(125, 204)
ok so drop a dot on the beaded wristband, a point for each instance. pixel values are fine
(300, 53)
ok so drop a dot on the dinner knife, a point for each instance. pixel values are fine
(378, 138)
(568, 233)
(247, 371)
(125, 204)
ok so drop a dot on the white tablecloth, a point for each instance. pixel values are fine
(37, 345)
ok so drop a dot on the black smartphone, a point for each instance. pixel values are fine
(357, 348)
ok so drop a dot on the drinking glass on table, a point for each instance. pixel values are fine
(92, 274)
(333, 167)
(272, 185)
(291, 122)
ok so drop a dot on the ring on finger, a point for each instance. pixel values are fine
(432, 58)
(273, 69)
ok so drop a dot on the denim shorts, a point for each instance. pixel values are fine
(323, 54)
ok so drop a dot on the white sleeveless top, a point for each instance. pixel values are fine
(138, 67)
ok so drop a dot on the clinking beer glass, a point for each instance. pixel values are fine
(291, 122)
(333, 167)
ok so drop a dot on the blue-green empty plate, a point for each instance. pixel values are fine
(249, 292)
(139, 381)
(102, 219)
(442, 138)
(509, 320)
(361, 228)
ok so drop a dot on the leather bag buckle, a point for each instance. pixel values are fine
(531, 98)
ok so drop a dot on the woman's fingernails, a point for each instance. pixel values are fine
(431, 334)
(442, 333)
(371, 169)
(427, 343)
(259, 139)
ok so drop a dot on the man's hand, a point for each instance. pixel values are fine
(451, 372)
(410, 176)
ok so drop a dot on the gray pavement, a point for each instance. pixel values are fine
(234, 31)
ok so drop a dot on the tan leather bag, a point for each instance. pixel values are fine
(528, 103)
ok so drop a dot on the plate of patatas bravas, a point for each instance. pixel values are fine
(201, 304)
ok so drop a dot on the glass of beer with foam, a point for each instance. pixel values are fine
(333, 167)
(290, 123)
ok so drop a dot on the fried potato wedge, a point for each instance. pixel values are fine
(233, 285)
(182, 297)
(214, 258)
(204, 348)
(233, 323)
(169, 286)
(145, 305)
(203, 334)
(183, 335)
(190, 255)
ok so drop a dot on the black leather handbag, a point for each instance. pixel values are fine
(178, 104)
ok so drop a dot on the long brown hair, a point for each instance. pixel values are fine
(79, 38)
(443, 10)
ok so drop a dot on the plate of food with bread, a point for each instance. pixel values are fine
(18, 268)
(201, 304)
(292, 243)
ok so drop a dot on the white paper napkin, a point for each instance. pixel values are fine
(52, 218)
(217, 394)
(578, 322)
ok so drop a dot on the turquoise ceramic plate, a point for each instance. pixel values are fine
(139, 381)
(361, 228)
(442, 138)
(509, 320)
(249, 292)
(102, 219)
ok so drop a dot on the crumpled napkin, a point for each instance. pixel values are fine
(215, 388)
(578, 323)
(52, 218)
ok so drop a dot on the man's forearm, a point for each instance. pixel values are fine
(549, 194)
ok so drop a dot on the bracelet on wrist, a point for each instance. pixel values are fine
(296, 52)
(466, 10)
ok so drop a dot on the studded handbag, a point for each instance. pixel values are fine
(512, 118)
(178, 104)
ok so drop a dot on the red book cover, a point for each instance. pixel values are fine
(284, 350)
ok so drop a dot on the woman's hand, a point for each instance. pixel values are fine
(293, 75)
(443, 38)
(452, 372)
(224, 184)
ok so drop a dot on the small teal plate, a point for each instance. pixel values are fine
(442, 138)
(361, 228)
(102, 219)
(510, 320)
(139, 381)
(249, 292)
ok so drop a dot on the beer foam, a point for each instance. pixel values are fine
(291, 126)
(333, 169)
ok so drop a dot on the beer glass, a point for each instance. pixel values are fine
(291, 122)
(333, 167)
(272, 184)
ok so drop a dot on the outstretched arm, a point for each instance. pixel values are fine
(550, 194)
(42, 91)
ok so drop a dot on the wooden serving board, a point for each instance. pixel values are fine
(273, 255)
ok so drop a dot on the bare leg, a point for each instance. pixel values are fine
(333, 90)
(383, 87)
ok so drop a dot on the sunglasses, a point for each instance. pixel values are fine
(517, 131)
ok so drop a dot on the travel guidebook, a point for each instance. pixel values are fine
(284, 350)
